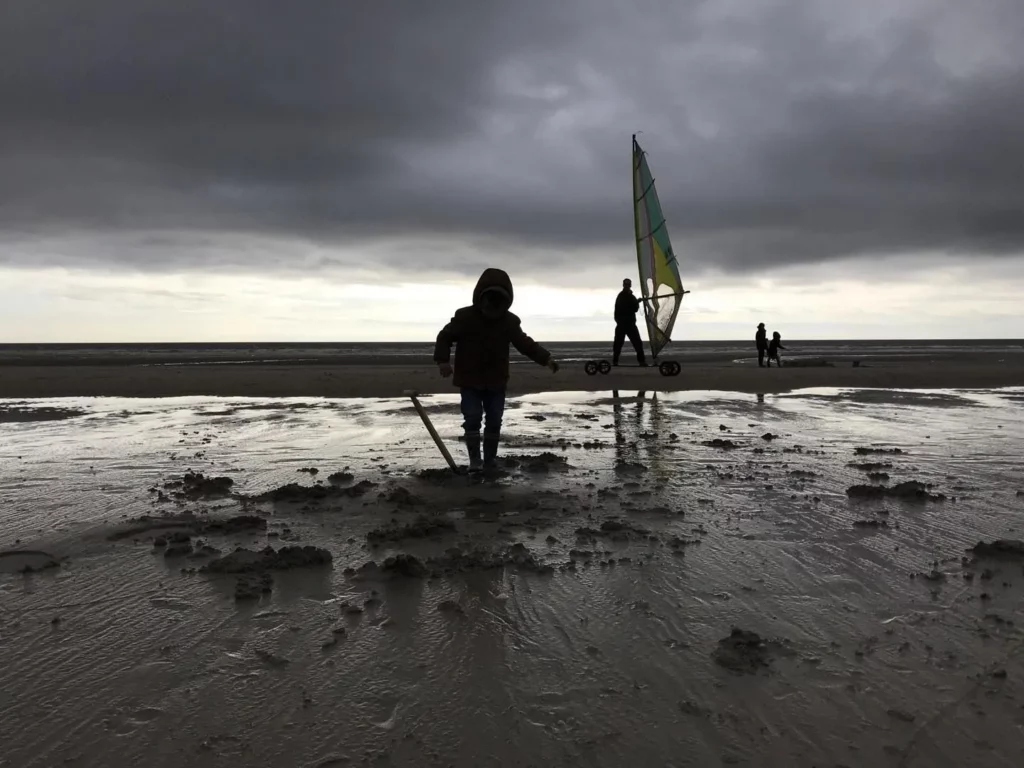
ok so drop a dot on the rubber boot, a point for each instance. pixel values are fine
(490, 451)
(473, 447)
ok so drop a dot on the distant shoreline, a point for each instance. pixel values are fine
(378, 379)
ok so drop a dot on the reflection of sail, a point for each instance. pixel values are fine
(659, 272)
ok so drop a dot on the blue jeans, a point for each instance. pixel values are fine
(478, 404)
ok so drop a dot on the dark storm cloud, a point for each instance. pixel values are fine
(780, 132)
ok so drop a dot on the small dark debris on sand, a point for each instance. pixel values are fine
(911, 490)
(878, 477)
(537, 417)
(870, 466)
(769, 436)
(26, 561)
(1000, 548)
(803, 473)
(743, 651)
(718, 442)
(870, 524)
(297, 492)
(421, 528)
(861, 451)
(310, 470)
(340, 478)
(268, 559)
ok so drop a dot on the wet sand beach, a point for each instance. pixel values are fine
(393, 378)
(820, 578)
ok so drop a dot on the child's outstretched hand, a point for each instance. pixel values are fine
(445, 369)
(553, 366)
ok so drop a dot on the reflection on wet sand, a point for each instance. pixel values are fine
(655, 579)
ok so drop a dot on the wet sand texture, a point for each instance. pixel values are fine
(647, 581)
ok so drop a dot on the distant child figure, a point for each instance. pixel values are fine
(481, 334)
(761, 339)
(773, 349)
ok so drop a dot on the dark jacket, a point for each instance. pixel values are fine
(774, 346)
(761, 338)
(626, 307)
(481, 343)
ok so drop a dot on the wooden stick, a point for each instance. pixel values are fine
(433, 432)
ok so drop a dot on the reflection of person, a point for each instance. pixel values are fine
(481, 334)
(761, 339)
(773, 349)
(626, 307)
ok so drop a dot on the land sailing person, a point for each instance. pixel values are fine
(626, 307)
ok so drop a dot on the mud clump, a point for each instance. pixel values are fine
(616, 530)
(196, 485)
(253, 586)
(422, 527)
(870, 524)
(878, 477)
(725, 445)
(911, 490)
(629, 468)
(1010, 549)
(340, 478)
(309, 470)
(769, 436)
(232, 525)
(536, 464)
(268, 559)
(743, 651)
(454, 562)
(876, 451)
(297, 492)
(403, 497)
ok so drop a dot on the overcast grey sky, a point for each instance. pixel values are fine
(433, 138)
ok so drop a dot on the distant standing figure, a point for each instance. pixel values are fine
(626, 307)
(773, 350)
(762, 344)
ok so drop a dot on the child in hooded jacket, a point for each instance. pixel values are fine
(773, 349)
(482, 334)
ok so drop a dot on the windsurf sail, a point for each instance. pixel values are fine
(659, 273)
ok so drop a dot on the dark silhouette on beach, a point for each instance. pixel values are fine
(773, 349)
(626, 307)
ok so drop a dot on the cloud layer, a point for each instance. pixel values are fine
(781, 132)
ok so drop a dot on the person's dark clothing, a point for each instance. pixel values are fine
(761, 339)
(626, 307)
(633, 333)
(482, 342)
(482, 407)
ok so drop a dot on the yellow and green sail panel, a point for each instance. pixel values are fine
(659, 274)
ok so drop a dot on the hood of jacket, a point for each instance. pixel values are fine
(493, 278)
